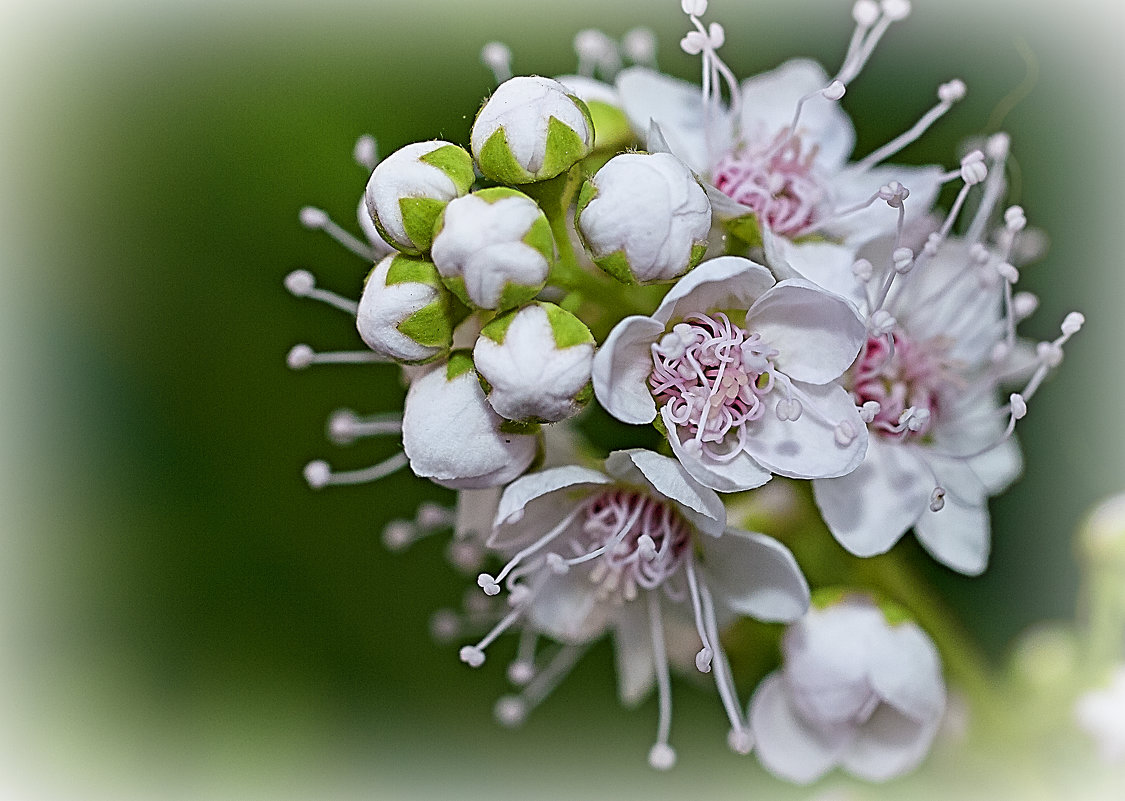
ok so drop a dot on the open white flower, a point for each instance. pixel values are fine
(641, 551)
(453, 437)
(740, 398)
(644, 218)
(856, 690)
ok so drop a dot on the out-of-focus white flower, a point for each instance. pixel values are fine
(536, 363)
(1101, 714)
(856, 690)
(408, 190)
(640, 551)
(531, 129)
(740, 400)
(644, 218)
(405, 311)
(493, 248)
(453, 437)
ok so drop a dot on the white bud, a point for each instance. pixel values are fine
(531, 129)
(644, 218)
(408, 189)
(536, 362)
(405, 312)
(493, 248)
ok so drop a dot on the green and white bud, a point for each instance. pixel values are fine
(406, 313)
(535, 363)
(531, 129)
(644, 218)
(408, 190)
(493, 248)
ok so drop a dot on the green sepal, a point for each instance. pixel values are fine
(455, 162)
(419, 214)
(825, 597)
(497, 162)
(431, 325)
(585, 395)
(412, 270)
(539, 236)
(747, 229)
(513, 295)
(460, 362)
(389, 238)
(565, 147)
(698, 251)
(611, 126)
(520, 427)
(495, 193)
(617, 265)
(587, 193)
(497, 330)
(658, 424)
(456, 285)
(568, 329)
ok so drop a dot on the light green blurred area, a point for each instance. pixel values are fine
(184, 618)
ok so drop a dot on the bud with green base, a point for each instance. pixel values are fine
(493, 248)
(406, 313)
(644, 218)
(534, 363)
(531, 129)
(408, 190)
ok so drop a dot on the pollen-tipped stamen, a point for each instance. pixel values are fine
(319, 475)
(318, 220)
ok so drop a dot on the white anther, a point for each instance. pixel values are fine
(869, 411)
(557, 564)
(863, 270)
(342, 426)
(865, 13)
(639, 45)
(445, 625)
(740, 741)
(1000, 352)
(1018, 405)
(646, 547)
(693, 43)
(834, 90)
(916, 419)
(488, 584)
(432, 515)
(1073, 323)
(933, 242)
(472, 656)
(896, 10)
(881, 323)
(662, 756)
(366, 151)
(694, 8)
(398, 534)
(1024, 305)
(519, 595)
(1049, 354)
(520, 672)
(703, 659)
(1008, 272)
(788, 409)
(845, 433)
(1014, 219)
(953, 91)
(592, 44)
(903, 259)
(497, 56)
(894, 194)
(317, 474)
(510, 711)
(300, 357)
(300, 283)
(312, 217)
(937, 499)
(998, 146)
(979, 253)
(973, 168)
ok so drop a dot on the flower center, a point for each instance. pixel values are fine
(907, 379)
(642, 541)
(712, 377)
(776, 182)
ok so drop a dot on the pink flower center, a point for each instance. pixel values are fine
(711, 376)
(907, 378)
(776, 182)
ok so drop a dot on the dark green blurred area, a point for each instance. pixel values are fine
(181, 577)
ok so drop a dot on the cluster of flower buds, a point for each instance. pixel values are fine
(714, 263)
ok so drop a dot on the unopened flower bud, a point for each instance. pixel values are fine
(493, 248)
(408, 190)
(644, 218)
(531, 129)
(536, 363)
(405, 312)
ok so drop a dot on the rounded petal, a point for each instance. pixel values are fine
(826, 264)
(727, 282)
(632, 647)
(889, 744)
(906, 672)
(542, 499)
(567, 607)
(808, 447)
(739, 474)
(755, 575)
(676, 106)
(703, 508)
(817, 334)
(621, 368)
(869, 509)
(850, 187)
(958, 536)
(786, 744)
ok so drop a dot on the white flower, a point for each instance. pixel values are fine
(493, 248)
(408, 190)
(405, 312)
(453, 437)
(641, 551)
(530, 129)
(1101, 714)
(855, 690)
(643, 218)
(536, 361)
(740, 399)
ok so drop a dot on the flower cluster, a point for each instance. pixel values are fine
(713, 262)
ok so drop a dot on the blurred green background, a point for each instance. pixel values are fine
(183, 618)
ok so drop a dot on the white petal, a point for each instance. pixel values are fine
(786, 744)
(755, 575)
(739, 474)
(826, 264)
(888, 745)
(869, 509)
(727, 282)
(621, 369)
(807, 447)
(567, 608)
(703, 508)
(958, 536)
(817, 334)
(530, 506)
(906, 672)
(770, 99)
(854, 186)
(632, 646)
(676, 106)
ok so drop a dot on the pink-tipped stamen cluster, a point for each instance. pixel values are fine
(778, 183)
(712, 377)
